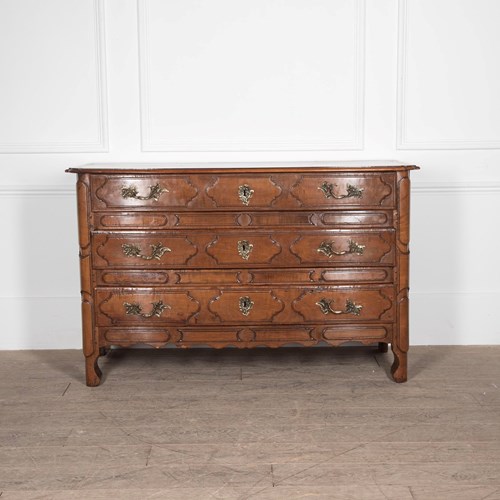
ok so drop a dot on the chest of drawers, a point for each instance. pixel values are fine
(244, 257)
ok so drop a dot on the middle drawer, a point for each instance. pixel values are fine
(175, 250)
(148, 307)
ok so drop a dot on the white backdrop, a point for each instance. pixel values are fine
(251, 80)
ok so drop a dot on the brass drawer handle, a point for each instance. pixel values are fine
(154, 192)
(350, 307)
(136, 309)
(157, 251)
(245, 192)
(245, 249)
(246, 305)
(352, 191)
(327, 249)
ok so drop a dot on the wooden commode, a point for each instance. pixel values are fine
(248, 256)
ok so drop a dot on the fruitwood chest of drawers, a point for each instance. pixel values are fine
(244, 257)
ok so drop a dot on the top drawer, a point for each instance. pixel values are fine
(244, 191)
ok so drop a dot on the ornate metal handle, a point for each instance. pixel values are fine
(154, 192)
(244, 249)
(327, 249)
(352, 191)
(157, 251)
(136, 309)
(246, 305)
(350, 307)
(245, 192)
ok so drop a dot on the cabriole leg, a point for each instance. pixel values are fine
(93, 373)
(399, 367)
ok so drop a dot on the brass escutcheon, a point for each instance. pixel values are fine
(246, 305)
(244, 249)
(245, 192)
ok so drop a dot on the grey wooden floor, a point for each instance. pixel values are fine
(288, 423)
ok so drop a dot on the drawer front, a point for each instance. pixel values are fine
(316, 190)
(243, 192)
(246, 336)
(201, 220)
(242, 305)
(200, 277)
(152, 192)
(242, 249)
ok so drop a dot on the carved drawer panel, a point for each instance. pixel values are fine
(241, 249)
(344, 248)
(252, 191)
(316, 190)
(202, 220)
(243, 305)
(153, 192)
(244, 249)
(246, 336)
(200, 277)
(147, 307)
(340, 304)
(249, 336)
(144, 307)
(345, 333)
(145, 251)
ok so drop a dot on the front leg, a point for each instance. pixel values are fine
(399, 368)
(93, 373)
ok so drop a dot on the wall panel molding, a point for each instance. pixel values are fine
(13, 191)
(267, 143)
(455, 188)
(403, 140)
(80, 146)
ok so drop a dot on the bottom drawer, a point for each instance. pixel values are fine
(146, 307)
(246, 335)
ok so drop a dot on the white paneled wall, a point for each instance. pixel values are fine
(251, 80)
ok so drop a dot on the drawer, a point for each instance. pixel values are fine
(200, 277)
(202, 220)
(153, 192)
(242, 249)
(243, 191)
(246, 336)
(332, 191)
(241, 305)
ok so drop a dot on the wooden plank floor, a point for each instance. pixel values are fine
(258, 424)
